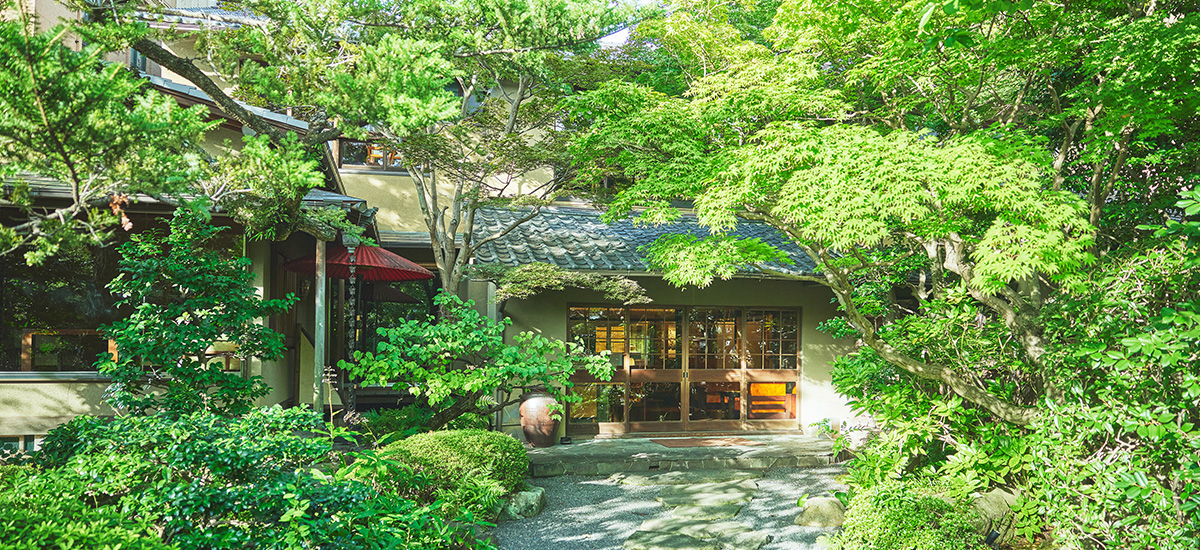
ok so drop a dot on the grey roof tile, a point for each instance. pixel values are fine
(575, 238)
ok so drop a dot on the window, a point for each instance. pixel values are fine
(364, 155)
(713, 338)
(137, 61)
(654, 338)
(18, 444)
(598, 328)
(772, 339)
(49, 313)
(717, 337)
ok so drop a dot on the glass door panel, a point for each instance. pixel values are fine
(654, 402)
(772, 339)
(654, 338)
(712, 402)
(713, 341)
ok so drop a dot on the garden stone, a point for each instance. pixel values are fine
(525, 504)
(649, 540)
(724, 511)
(995, 512)
(822, 512)
(685, 477)
(709, 494)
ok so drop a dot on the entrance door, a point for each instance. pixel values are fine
(772, 352)
(656, 370)
(694, 368)
(715, 369)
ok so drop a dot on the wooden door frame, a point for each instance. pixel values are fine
(684, 376)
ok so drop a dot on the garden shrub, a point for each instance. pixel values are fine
(469, 470)
(206, 481)
(907, 515)
(47, 511)
(447, 455)
(10, 473)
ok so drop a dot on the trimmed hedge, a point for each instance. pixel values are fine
(448, 457)
(899, 515)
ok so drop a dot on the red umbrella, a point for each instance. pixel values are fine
(371, 262)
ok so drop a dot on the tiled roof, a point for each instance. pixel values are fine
(196, 93)
(576, 239)
(42, 187)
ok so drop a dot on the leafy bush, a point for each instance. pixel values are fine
(206, 481)
(47, 511)
(10, 474)
(898, 515)
(469, 470)
(456, 363)
(186, 296)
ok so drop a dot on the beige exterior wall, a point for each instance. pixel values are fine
(395, 195)
(186, 48)
(276, 374)
(36, 407)
(546, 314)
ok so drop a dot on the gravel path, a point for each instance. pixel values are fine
(593, 513)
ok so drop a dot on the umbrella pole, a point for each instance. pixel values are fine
(352, 333)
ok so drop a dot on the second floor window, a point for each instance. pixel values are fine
(367, 155)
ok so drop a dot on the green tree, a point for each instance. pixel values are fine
(459, 362)
(68, 117)
(72, 119)
(461, 90)
(186, 295)
(971, 188)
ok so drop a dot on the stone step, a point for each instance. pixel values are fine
(550, 467)
(685, 477)
(708, 494)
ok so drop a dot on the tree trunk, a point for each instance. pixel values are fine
(463, 404)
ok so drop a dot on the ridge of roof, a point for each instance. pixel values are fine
(574, 237)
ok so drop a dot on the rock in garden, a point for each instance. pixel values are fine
(525, 504)
(995, 512)
(822, 512)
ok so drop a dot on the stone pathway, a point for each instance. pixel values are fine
(676, 510)
(702, 503)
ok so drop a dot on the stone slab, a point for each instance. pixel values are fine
(708, 494)
(709, 513)
(746, 541)
(650, 540)
(731, 535)
(685, 477)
